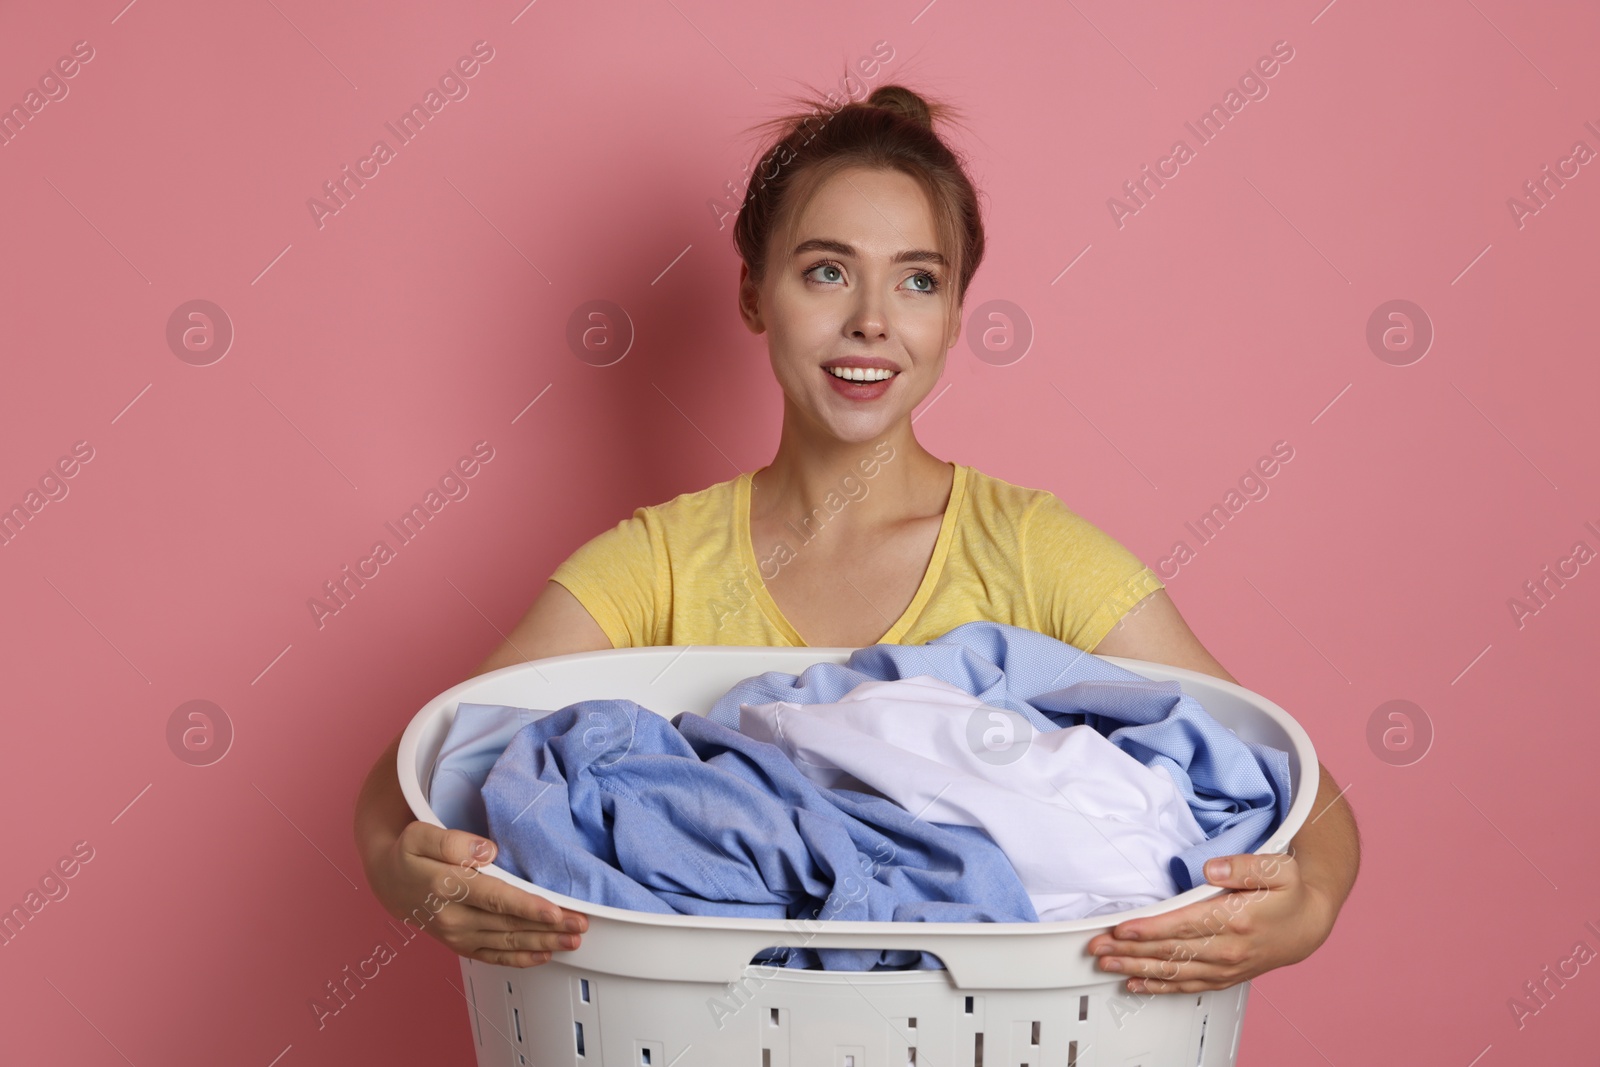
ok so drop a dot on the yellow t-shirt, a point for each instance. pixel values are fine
(685, 572)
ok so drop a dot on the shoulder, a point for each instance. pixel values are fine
(992, 500)
(1038, 526)
(690, 506)
(1033, 526)
(1032, 508)
(684, 531)
(624, 575)
(686, 510)
(1029, 520)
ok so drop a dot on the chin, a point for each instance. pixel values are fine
(831, 416)
(860, 430)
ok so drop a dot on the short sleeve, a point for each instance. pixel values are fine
(616, 577)
(1079, 580)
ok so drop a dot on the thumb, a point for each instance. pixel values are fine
(467, 849)
(483, 850)
(1250, 871)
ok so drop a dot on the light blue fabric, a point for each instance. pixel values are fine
(611, 803)
(1239, 791)
(477, 736)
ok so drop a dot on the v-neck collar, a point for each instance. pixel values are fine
(930, 577)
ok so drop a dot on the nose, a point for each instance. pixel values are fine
(867, 320)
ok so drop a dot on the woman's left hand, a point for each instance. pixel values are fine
(1270, 917)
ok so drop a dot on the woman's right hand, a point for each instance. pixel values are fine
(429, 876)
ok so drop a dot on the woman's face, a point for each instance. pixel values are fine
(864, 283)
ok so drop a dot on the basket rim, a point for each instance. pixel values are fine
(416, 798)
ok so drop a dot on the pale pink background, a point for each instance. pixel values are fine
(1228, 314)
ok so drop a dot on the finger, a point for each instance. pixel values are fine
(516, 908)
(1162, 958)
(1207, 950)
(510, 959)
(470, 851)
(493, 895)
(571, 922)
(1188, 985)
(1272, 871)
(456, 847)
(467, 850)
(1172, 971)
(1202, 919)
(520, 941)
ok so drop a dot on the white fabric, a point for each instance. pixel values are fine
(1089, 829)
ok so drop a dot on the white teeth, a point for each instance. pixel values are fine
(860, 374)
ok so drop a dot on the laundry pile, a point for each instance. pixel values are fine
(993, 774)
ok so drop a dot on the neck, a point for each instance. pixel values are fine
(863, 484)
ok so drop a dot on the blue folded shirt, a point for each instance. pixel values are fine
(611, 803)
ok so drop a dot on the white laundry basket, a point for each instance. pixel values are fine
(653, 990)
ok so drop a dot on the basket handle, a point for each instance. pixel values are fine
(991, 956)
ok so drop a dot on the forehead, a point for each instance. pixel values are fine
(879, 211)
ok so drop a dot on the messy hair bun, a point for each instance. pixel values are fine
(893, 129)
(904, 102)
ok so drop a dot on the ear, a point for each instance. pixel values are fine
(750, 300)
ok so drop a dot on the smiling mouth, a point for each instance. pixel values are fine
(861, 374)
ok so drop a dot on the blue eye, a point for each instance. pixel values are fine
(932, 280)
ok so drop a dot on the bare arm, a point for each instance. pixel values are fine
(1297, 898)
(426, 873)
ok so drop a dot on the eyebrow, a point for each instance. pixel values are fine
(840, 248)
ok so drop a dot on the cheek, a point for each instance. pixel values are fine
(922, 334)
(807, 314)
(927, 333)
(802, 333)
(791, 356)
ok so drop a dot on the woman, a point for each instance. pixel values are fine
(859, 236)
